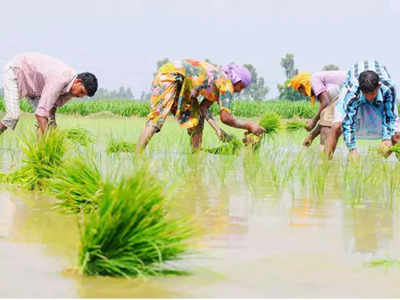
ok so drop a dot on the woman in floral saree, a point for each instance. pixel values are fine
(176, 89)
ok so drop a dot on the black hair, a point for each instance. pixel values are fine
(90, 82)
(368, 81)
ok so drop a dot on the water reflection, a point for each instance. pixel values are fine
(7, 213)
(370, 229)
(271, 228)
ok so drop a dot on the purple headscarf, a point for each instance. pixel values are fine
(237, 73)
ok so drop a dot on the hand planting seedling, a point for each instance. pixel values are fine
(271, 122)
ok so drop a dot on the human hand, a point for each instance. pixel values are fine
(354, 156)
(223, 136)
(384, 148)
(250, 139)
(310, 124)
(307, 141)
(256, 129)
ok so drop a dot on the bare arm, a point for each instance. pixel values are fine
(206, 114)
(228, 119)
(42, 122)
(52, 117)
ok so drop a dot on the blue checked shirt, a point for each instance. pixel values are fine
(353, 99)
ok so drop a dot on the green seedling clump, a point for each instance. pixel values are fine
(295, 125)
(77, 185)
(271, 122)
(396, 150)
(120, 146)
(79, 136)
(43, 156)
(229, 148)
(130, 233)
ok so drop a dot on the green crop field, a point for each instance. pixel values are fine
(127, 108)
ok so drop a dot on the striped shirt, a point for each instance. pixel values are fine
(353, 98)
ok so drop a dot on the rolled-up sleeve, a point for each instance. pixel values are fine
(50, 94)
(349, 124)
(389, 115)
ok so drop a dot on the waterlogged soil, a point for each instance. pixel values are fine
(251, 249)
(258, 242)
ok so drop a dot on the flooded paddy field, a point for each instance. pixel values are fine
(281, 222)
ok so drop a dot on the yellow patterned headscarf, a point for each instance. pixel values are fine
(302, 79)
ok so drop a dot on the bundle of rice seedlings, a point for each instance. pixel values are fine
(77, 185)
(396, 150)
(229, 148)
(271, 122)
(131, 233)
(295, 125)
(79, 136)
(120, 146)
(385, 263)
(43, 155)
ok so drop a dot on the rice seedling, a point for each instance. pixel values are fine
(396, 150)
(120, 146)
(43, 155)
(79, 136)
(131, 233)
(229, 148)
(385, 263)
(77, 185)
(295, 125)
(271, 122)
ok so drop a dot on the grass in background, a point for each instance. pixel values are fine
(127, 108)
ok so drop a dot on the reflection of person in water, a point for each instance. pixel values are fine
(371, 227)
(300, 212)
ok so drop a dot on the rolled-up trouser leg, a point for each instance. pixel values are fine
(11, 98)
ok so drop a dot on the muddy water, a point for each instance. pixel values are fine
(269, 246)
